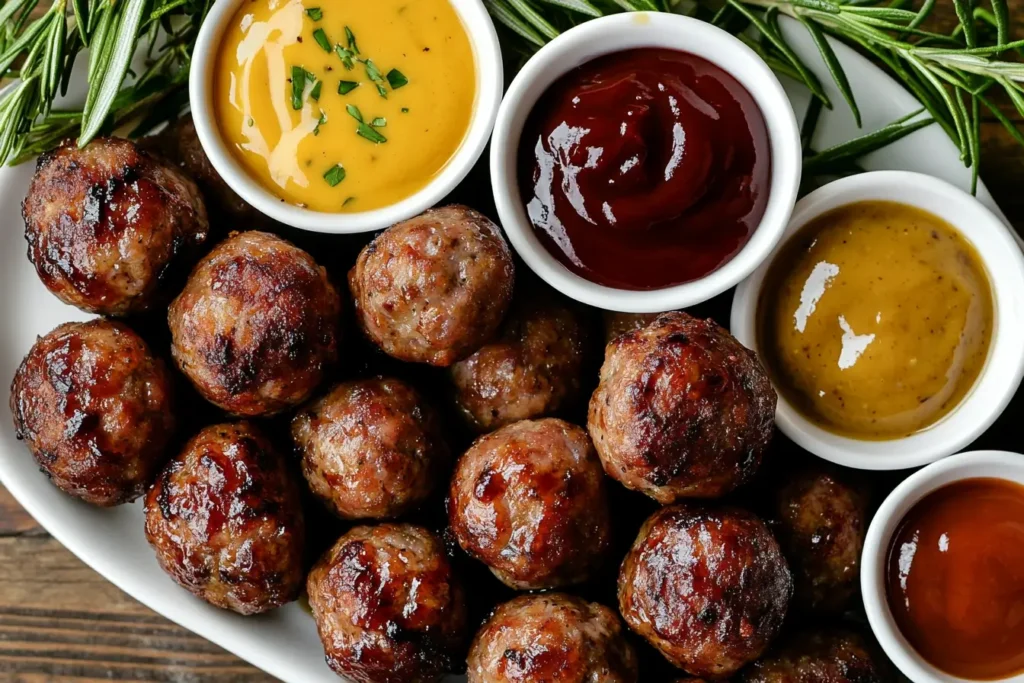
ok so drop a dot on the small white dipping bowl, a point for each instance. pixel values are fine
(999, 377)
(971, 465)
(626, 32)
(489, 81)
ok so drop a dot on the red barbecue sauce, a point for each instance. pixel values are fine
(645, 168)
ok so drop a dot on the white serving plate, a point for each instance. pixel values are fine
(284, 643)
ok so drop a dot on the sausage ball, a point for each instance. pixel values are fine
(387, 606)
(93, 405)
(534, 368)
(682, 410)
(434, 288)
(529, 501)
(256, 325)
(819, 657)
(107, 225)
(371, 448)
(708, 588)
(225, 520)
(616, 323)
(552, 637)
(821, 524)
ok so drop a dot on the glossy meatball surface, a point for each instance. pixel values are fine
(93, 405)
(256, 326)
(387, 606)
(682, 410)
(831, 656)
(225, 520)
(708, 587)
(107, 225)
(532, 369)
(529, 501)
(434, 288)
(821, 522)
(371, 448)
(552, 637)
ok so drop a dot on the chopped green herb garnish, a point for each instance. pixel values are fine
(379, 122)
(315, 92)
(351, 38)
(335, 174)
(315, 14)
(346, 56)
(405, 110)
(348, 200)
(369, 133)
(321, 39)
(374, 74)
(322, 120)
(345, 87)
(298, 85)
(354, 112)
(396, 79)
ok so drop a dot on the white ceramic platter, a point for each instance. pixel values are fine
(285, 642)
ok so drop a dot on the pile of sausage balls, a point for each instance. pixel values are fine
(475, 446)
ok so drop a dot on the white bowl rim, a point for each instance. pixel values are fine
(968, 465)
(615, 33)
(489, 83)
(1000, 376)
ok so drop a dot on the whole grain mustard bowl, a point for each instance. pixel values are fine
(345, 118)
(975, 241)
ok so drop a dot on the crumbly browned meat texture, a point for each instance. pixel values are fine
(371, 448)
(708, 587)
(93, 405)
(616, 323)
(552, 637)
(534, 367)
(434, 288)
(529, 501)
(225, 520)
(387, 605)
(830, 656)
(682, 410)
(256, 326)
(108, 225)
(821, 524)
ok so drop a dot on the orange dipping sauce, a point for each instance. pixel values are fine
(955, 578)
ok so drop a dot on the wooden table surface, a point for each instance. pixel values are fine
(61, 621)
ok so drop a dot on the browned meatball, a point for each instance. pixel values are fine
(434, 288)
(821, 525)
(387, 605)
(256, 326)
(534, 368)
(819, 657)
(180, 143)
(225, 520)
(108, 224)
(94, 407)
(529, 501)
(682, 410)
(708, 587)
(616, 323)
(552, 637)
(371, 448)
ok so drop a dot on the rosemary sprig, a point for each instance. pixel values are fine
(952, 75)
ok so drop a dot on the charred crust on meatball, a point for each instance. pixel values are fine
(225, 519)
(708, 587)
(108, 225)
(256, 326)
(93, 405)
(820, 656)
(682, 410)
(387, 605)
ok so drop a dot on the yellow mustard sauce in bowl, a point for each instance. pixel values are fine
(875, 320)
(344, 107)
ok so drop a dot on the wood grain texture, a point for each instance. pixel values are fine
(60, 621)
